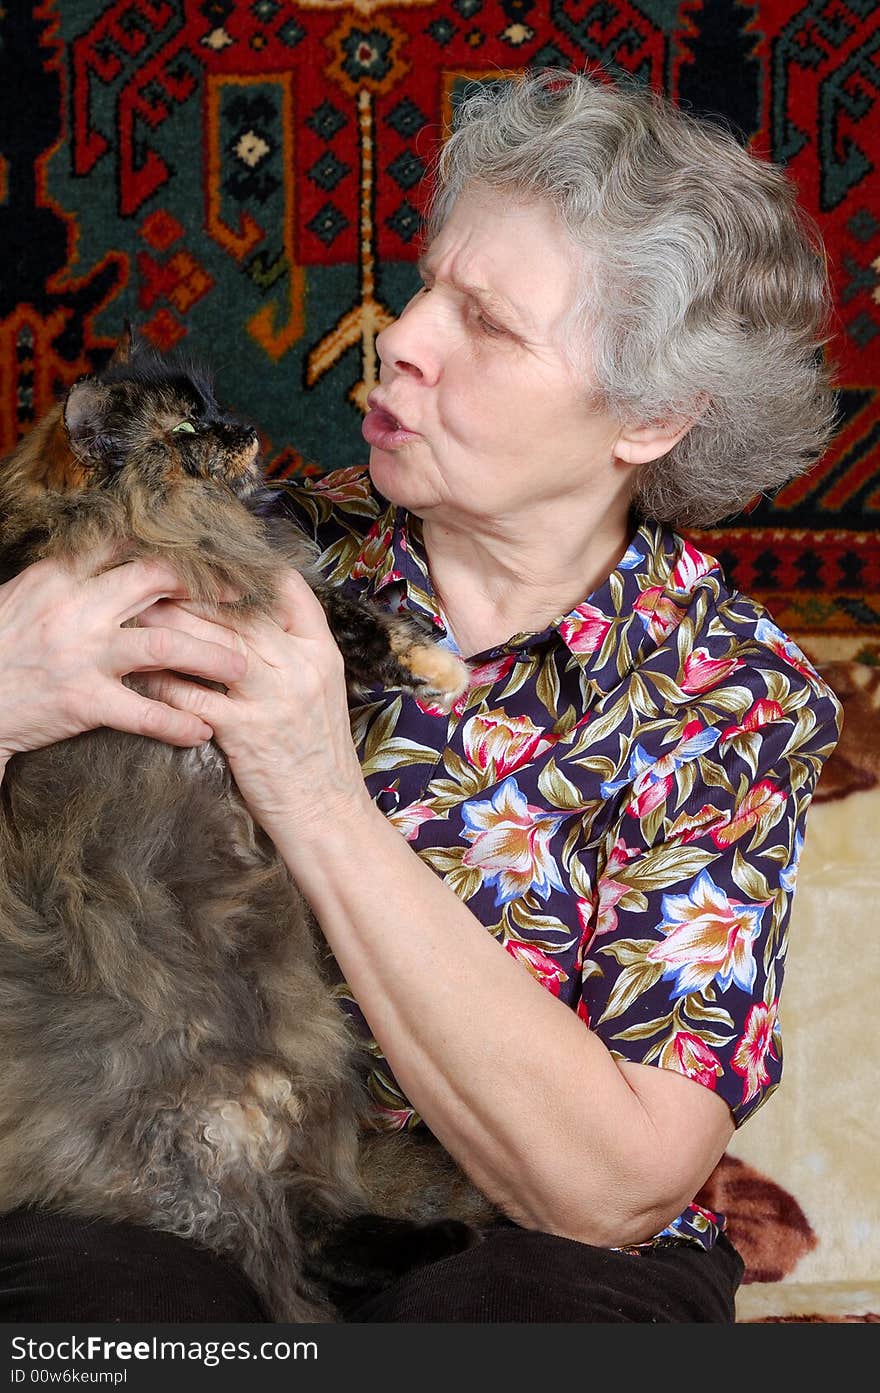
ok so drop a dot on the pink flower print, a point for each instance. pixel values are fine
(652, 779)
(620, 855)
(659, 614)
(510, 841)
(497, 743)
(343, 485)
(700, 672)
(689, 827)
(433, 708)
(708, 1215)
(695, 740)
(640, 767)
(585, 910)
(690, 567)
(762, 804)
(376, 548)
(484, 675)
(760, 713)
(386, 1119)
(585, 628)
(784, 648)
(707, 937)
(598, 915)
(610, 893)
(409, 820)
(755, 1044)
(696, 1060)
(539, 964)
(649, 791)
(487, 674)
(582, 1013)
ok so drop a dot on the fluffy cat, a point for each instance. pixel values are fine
(172, 1051)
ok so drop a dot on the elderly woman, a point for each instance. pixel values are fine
(562, 909)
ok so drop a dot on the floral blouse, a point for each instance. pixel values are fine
(620, 799)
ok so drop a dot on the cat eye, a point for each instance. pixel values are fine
(186, 426)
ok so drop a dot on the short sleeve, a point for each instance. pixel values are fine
(685, 940)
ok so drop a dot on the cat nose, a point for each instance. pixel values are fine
(240, 438)
(236, 432)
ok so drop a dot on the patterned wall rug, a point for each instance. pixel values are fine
(245, 179)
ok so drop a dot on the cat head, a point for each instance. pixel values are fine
(154, 421)
(140, 460)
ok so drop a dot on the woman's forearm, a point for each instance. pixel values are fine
(528, 1101)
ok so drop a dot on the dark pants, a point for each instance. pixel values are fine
(58, 1269)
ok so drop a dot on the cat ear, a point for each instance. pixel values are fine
(84, 409)
(125, 346)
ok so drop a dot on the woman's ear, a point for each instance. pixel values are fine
(642, 444)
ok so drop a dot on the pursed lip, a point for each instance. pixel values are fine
(376, 402)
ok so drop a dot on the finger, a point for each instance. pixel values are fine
(175, 692)
(133, 586)
(236, 627)
(142, 582)
(298, 609)
(187, 618)
(150, 650)
(139, 715)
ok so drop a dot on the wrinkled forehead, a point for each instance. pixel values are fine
(506, 247)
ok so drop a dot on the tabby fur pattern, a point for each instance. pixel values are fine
(173, 1053)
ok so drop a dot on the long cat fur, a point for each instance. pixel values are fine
(172, 1053)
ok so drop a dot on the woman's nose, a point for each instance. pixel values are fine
(408, 347)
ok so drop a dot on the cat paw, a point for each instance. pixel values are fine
(439, 677)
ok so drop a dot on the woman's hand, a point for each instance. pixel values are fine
(65, 651)
(283, 725)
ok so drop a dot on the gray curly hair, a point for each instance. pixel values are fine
(705, 285)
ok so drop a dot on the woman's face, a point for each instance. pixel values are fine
(479, 413)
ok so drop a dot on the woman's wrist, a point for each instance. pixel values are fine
(315, 842)
(326, 815)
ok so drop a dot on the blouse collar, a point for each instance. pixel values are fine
(608, 634)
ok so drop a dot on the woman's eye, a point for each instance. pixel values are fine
(185, 427)
(488, 327)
